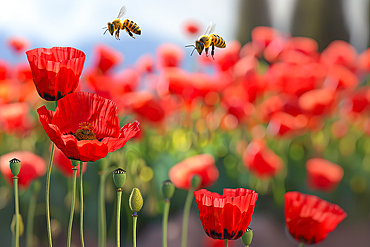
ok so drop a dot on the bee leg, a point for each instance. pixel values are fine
(130, 34)
(117, 35)
(213, 51)
(206, 50)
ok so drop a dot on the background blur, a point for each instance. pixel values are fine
(78, 23)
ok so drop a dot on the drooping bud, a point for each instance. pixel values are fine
(168, 189)
(119, 178)
(15, 166)
(20, 225)
(247, 237)
(136, 200)
(195, 181)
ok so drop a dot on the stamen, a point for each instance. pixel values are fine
(85, 132)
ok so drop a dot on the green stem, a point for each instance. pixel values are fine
(301, 245)
(226, 243)
(15, 181)
(118, 222)
(102, 227)
(48, 176)
(74, 178)
(134, 220)
(81, 208)
(165, 221)
(185, 217)
(30, 219)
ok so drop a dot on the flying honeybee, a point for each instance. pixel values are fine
(119, 24)
(206, 40)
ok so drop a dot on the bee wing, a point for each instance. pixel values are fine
(210, 28)
(122, 12)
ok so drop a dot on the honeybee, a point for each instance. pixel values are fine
(119, 24)
(206, 40)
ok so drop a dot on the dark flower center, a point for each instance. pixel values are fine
(85, 132)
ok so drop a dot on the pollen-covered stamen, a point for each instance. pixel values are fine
(85, 132)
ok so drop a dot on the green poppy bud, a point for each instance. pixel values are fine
(196, 180)
(168, 189)
(20, 225)
(119, 178)
(135, 200)
(247, 237)
(15, 166)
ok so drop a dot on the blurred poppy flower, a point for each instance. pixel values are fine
(358, 101)
(229, 56)
(18, 44)
(339, 128)
(99, 83)
(202, 165)
(169, 55)
(309, 219)
(261, 161)
(15, 118)
(285, 125)
(339, 52)
(192, 27)
(262, 36)
(125, 81)
(23, 73)
(226, 216)
(317, 101)
(63, 164)
(85, 126)
(145, 64)
(363, 61)
(323, 175)
(32, 168)
(175, 81)
(106, 58)
(55, 71)
(341, 78)
(4, 70)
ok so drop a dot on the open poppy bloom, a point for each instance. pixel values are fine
(309, 219)
(202, 165)
(32, 167)
(85, 126)
(55, 71)
(226, 216)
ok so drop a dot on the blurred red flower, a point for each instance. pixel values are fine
(262, 36)
(55, 71)
(226, 216)
(4, 70)
(85, 126)
(229, 56)
(363, 61)
(145, 64)
(339, 128)
(106, 58)
(63, 164)
(285, 125)
(18, 44)
(192, 27)
(32, 168)
(341, 78)
(15, 118)
(202, 165)
(317, 101)
(323, 175)
(261, 161)
(339, 52)
(169, 55)
(309, 219)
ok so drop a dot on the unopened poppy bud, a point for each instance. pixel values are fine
(119, 178)
(135, 200)
(247, 237)
(168, 189)
(196, 181)
(20, 225)
(15, 166)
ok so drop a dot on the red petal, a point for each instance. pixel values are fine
(126, 133)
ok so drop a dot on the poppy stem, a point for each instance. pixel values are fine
(226, 243)
(31, 213)
(48, 177)
(134, 220)
(16, 198)
(301, 245)
(81, 208)
(101, 207)
(74, 178)
(165, 221)
(118, 222)
(185, 217)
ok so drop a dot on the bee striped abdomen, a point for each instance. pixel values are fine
(218, 41)
(132, 26)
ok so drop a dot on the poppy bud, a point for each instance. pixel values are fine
(20, 225)
(135, 200)
(119, 178)
(196, 181)
(15, 166)
(247, 237)
(75, 163)
(168, 189)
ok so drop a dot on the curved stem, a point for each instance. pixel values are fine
(165, 221)
(118, 222)
(226, 243)
(81, 208)
(102, 227)
(30, 219)
(185, 217)
(134, 220)
(74, 178)
(48, 176)
(15, 181)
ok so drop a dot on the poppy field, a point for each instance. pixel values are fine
(160, 154)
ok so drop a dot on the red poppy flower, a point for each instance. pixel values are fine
(202, 165)
(364, 60)
(309, 219)
(169, 55)
(341, 78)
(262, 36)
(192, 27)
(339, 52)
(323, 175)
(228, 57)
(285, 125)
(107, 58)
(18, 44)
(145, 64)
(55, 71)
(15, 118)
(32, 167)
(85, 126)
(226, 216)
(317, 101)
(262, 161)
(4, 70)
(63, 164)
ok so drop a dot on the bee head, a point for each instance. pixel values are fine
(110, 28)
(199, 46)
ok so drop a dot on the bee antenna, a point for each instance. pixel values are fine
(105, 31)
(104, 27)
(189, 46)
(192, 51)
